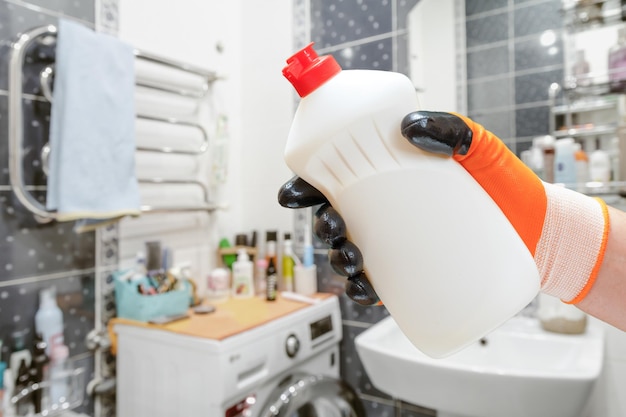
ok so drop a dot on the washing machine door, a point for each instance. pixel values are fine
(301, 395)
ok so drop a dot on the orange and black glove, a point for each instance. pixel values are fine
(565, 231)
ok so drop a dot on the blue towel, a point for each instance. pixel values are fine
(92, 127)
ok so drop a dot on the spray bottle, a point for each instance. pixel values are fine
(439, 252)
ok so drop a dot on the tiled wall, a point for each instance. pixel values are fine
(35, 256)
(511, 63)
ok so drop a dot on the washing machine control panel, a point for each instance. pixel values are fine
(321, 327)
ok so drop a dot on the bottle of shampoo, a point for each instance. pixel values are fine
(402, 207)
(243, 275)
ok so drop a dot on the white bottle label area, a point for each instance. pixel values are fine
(451, 267)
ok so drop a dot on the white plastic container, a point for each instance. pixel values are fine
(218, 285)
(441, 255)
(243, 275)
(49, 319)
(582, 166)
(599, 165)
(565, 162)
(59, 374)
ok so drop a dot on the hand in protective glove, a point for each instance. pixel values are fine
(566, 232)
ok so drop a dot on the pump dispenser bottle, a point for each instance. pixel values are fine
(440, 254)
(243, 275)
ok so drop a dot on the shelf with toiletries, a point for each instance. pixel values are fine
(588, 109)
(580, 15)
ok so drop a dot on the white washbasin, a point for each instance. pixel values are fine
(518, 370)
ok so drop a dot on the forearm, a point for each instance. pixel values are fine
(607, 298)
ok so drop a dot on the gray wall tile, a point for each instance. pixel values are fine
(536, 18)
(488, 62)
(488, 29)
(530, 54)
(473, 7)
(371, 55)
(534, 87)
(336, 22)
(32, 251)
(532, 122)
(489, 93)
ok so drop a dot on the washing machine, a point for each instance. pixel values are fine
(288, 366)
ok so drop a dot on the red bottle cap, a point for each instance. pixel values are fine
(307, 71)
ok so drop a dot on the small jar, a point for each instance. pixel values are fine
(559, 317)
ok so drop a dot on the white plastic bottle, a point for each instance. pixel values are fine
(599, 165)
(58, 374)
(565, 162)
(441, 255)
(49, 319)
(243, 275)
(582, 167)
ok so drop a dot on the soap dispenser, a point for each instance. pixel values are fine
(243, 275)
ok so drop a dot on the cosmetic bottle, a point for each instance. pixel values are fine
(565, 162)
(36, 370)
(271, 281)
(582, 166)
(402, 207)
(58, 374)
(599, 165)
(8, 386)
(3, 368)
(49, 318)
(243, 275)
(617, 63)
(22, 381)
(271, 246)
(289, 262)
(260, 276)
(20, 352)
(581, 70)
(305, 273)
(218, 285)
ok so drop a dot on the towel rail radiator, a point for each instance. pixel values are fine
(16, 123)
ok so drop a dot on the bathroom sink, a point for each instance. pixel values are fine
(518, 370)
